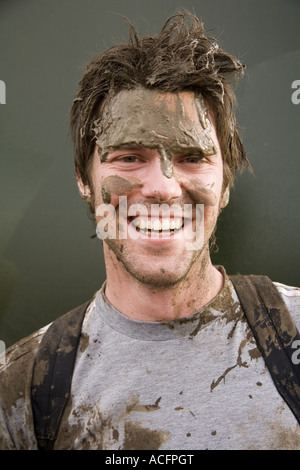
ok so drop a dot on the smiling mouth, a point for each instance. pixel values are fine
(157, 226)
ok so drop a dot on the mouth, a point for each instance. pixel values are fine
(157, 227)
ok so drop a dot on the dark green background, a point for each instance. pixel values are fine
(48, 263)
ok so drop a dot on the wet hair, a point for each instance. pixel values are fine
(180, 58)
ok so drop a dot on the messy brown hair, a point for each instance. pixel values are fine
(180, 58)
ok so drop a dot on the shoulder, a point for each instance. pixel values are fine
(22, 348)
(288, 292)
(16, 420)
(291, 297)
(19, 354)
(273, 293)
(16, 372)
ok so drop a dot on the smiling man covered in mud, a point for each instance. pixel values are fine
(166, 357)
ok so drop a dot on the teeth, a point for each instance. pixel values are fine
(158, 225)
(178, 224)
(165, 224)
(141, 224)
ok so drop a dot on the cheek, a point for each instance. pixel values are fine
(210, 219)
(114, 186)
(106, 187)
(203, 190)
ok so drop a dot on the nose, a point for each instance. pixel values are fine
(157, 186)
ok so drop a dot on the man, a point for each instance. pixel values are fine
(166, 358)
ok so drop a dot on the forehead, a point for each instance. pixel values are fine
(132, 114)
(169, 122)
(153, 106)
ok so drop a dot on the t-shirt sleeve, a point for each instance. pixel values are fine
(16, 419)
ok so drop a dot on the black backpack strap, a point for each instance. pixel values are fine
(52, 374)
(274, 332)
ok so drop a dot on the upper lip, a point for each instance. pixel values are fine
(176, 213)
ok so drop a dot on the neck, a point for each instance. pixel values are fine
(143, 302)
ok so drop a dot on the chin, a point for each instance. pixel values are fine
(159, 272)
(159, 280)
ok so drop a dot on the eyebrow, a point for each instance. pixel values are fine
(189, 150)
(130, 146)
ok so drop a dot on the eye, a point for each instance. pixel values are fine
(191, 159)
(126, 162)
(128, 159)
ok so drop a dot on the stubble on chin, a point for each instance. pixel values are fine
(152, 273)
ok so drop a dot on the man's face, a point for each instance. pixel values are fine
(157, 149)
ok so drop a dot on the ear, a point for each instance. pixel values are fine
(84, 189)
(225, 198)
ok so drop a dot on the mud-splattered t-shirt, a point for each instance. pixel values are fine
(196, 383)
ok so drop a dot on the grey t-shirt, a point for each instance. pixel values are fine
(194, 383)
